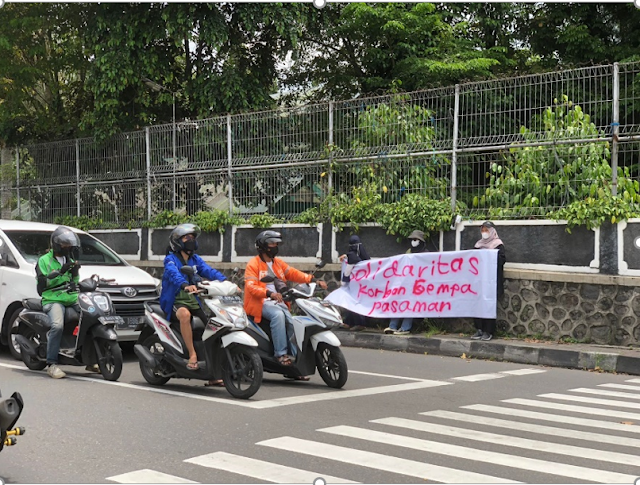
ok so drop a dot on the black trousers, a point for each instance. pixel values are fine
(486, 325)
(354, 319)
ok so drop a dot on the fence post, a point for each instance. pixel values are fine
(615, 129)
(18, 180)
(77, 177)
(229, 164)
(147, 140)
(454, 154)
(330, 171)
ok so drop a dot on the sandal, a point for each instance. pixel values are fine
(193, 365)
(284, 360)
(214, 383)
(298, 378)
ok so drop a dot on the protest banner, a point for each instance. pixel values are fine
(443, 285)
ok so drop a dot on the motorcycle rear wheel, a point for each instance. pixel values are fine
(30, 362)
(111, 364)
(242, 376)
(332, 366)
(154, 346)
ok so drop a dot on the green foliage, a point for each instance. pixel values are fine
(415, 211)
(310, 217)
(84, 223)
(208, 221)
(264, 220)
(593, 211)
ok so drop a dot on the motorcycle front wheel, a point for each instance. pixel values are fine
(154, 345)
(242, 373)
(111, 362)
(331, 364)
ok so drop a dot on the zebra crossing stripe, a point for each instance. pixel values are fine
(261, 470)
(621, 386)
(502, 459)
(633, 381)
(478, 377)
(378, 461)
(592, 400)
(513, 441)
(148, 476)
(536, 428)
(600, 392)
(575, 409)
(522, 372)
(556, 418)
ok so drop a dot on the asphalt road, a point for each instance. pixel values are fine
(401, 418)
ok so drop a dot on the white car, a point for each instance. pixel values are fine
(22, 243)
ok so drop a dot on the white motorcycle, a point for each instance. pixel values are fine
(313, 342)
(224, 350)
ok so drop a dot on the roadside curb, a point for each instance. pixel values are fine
(571, 356)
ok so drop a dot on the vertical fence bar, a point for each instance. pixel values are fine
(78, 178)
(229, 164)
(330, 170)
(454, 152)
(615, 125)
(147, 140)
(18, 180)
(173, 142)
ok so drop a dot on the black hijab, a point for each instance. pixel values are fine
(356, 252)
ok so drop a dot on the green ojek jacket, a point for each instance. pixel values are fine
(46, 264)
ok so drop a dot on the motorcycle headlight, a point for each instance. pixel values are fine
(240, 323)
(102, 302)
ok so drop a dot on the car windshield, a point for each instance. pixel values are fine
(33, 244)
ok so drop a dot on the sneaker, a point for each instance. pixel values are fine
(55, 372)
(93, 368)
(477, 335)
(389, 330)
(486, 336)
(402, 332)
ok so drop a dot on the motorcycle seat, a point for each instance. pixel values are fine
(33, 304)
(154, 306)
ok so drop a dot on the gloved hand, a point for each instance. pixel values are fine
(66, 267)
(76, 269)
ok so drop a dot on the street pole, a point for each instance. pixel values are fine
(174, 150)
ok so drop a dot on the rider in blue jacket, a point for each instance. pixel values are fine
(178, 299)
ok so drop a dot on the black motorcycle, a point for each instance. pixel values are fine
(88, 337)
(10, 410)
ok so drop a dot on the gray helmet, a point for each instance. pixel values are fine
(64, 236)
(175, 239)
(267, 237)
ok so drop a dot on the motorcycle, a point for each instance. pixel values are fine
(88, 337)
(313, 343)
(10, 410)
(228, 352)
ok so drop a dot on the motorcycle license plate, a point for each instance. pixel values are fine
(112, 320)
(130, 322)
(230, 299)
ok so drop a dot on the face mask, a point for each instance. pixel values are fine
(190, 246)
(485, 235)
(272, 252)
(415, 243)
(64, 252)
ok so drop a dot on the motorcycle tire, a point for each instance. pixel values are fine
(242, 376)
(332, 366)
(111, 363)
(154, 346)
(30, 362)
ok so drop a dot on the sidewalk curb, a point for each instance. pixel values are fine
(500, 350)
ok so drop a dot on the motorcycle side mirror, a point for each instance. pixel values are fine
(53, 275)
(267, 279)
(236, 270)
(320, 264)
(188, 270)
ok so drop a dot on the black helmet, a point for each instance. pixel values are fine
(64, 236)
(265, 238)
(175, 239)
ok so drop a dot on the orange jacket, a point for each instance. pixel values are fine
(255, 291)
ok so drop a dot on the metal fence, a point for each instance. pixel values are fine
(516, 147)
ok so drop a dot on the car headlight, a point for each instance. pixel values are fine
(158, 284)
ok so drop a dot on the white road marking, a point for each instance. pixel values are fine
(591, 400)
(261, 470)
(556, 418)
(536, 428)
(621, 386)
(513, 441)
(378, 461)
(392, 376)
(478, 377)
(575, 409)
(148, 476)
(601, 392)
(633, 381)
(502, 459)
(523, 372)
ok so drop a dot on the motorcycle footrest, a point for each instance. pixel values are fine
(16, 432)
(10, 441)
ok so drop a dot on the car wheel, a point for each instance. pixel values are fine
(14, 348)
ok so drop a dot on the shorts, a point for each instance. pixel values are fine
(198, 312)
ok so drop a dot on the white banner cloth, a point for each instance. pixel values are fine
(443, 285)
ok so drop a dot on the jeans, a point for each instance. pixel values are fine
(279, 316)
(406, 324)
(54, 335)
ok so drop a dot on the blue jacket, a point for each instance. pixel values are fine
(173, 279)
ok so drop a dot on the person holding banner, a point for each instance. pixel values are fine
(486, 327)
(353, 321)
(402, 326)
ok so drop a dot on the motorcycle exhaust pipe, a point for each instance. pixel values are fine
(145, 356)
(27, 346)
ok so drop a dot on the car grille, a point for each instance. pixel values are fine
(127, 306)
